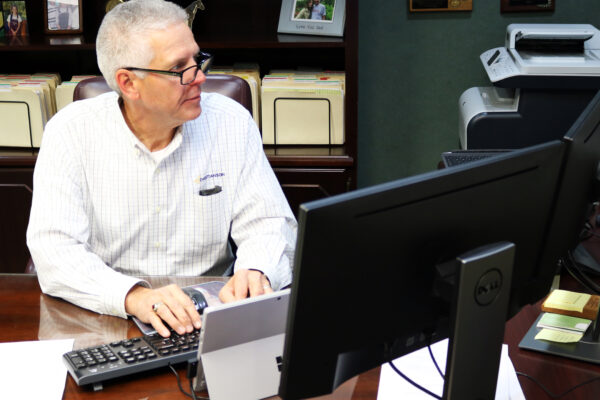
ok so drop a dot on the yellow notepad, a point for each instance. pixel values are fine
(572, 303)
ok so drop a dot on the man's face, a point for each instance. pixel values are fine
(317, 2)
(163, 96)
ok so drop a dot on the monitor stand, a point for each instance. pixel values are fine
(479, 311)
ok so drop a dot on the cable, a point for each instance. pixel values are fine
(587, 281)
(572, 271)
(435, 362)
(553, 395)
(193, 394)
(415, 384)
(179, 383)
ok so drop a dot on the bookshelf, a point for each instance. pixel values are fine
(233, 30)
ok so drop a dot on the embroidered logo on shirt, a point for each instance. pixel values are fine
(205, 177)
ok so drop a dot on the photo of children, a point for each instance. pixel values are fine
(14, 17)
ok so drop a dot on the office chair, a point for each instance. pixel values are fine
(227, 85)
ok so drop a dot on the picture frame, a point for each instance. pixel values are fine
(300, 17)
(526, 5)
(439, 5)
(62, 16)
(14, 17)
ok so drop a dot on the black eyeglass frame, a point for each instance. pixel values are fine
(204, 66)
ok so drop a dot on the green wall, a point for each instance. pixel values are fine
(412, 69)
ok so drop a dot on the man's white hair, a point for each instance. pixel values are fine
(122, 39)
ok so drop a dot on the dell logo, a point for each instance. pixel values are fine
(488, 287)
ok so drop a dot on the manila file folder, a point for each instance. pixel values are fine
(302, 114)
(22, 118)
(64, 94)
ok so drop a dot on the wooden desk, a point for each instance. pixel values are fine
(26, 314)
(558, 374)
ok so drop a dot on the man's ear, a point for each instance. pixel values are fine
(127, 83)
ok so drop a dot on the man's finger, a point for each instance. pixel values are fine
(183, 322)
(166, 314)
(257, 284)
(266, 284)
(226, 294)
(240, 285)
(157, 324)
(193, 315)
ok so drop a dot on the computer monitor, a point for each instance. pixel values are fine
(370, 276)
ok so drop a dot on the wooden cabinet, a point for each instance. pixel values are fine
(16, 183)
(310, 173)
(233, 30)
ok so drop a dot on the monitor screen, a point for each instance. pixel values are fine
(365, 286)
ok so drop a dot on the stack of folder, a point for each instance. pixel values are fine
(27, 102)
(64, 92)
(250, 72)
(303, 108)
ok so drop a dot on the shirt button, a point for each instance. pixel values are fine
(157, 245)
(157, 210)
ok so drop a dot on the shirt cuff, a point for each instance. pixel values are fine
(278, 276)
(115, 301)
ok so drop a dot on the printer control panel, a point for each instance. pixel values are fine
(499, 64)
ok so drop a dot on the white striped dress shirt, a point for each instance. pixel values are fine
(105, 209)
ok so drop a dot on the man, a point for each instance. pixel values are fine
(318, 11)
(52, 16)
(152, 179)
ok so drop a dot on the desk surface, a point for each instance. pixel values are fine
(26, 314)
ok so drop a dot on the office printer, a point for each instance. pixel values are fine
(543, 78)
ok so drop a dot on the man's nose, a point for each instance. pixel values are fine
(200, 78)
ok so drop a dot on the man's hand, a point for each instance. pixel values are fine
(244, 283)
(166, 304)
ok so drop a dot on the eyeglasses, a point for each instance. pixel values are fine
(187, 75)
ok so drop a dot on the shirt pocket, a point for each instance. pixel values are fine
(211, 209)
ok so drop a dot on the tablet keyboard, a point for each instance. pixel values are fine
(457, 157)
(95, 364)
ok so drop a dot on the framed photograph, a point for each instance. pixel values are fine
(312, 17)
(14, 18)
(62, 16)
(440, 5)
(526, 5)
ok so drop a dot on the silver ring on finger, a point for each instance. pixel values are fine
(156, 306)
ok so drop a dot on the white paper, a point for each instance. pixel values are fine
(419, 367)
(33, 370)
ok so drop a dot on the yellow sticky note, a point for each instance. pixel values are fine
(558, 336)
(566, 300)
